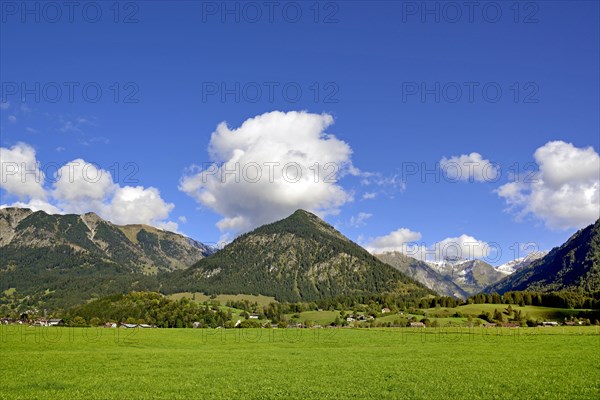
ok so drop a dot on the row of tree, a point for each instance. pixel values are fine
(563, 299)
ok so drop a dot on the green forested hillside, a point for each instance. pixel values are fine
(300, 258)
(574, 266)
(61, 260)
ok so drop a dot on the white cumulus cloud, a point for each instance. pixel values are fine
(79, 187)
(470, 167)
(402, 240)
(20, 173)
(270, 166)
(463, 246)
(406, 241)
(134, 205)
(564, 193)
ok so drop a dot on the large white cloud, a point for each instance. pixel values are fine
(565, 193)
(132, 205)
(20, 172)
(270, 166)
(470, 167)
(79, 187)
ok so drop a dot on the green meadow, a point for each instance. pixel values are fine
(393, 363)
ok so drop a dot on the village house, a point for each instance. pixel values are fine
(55, 322)
(253, 316)
(385, 310)
(549, 323)
(110, 325)
(489, 325)
(417, 325)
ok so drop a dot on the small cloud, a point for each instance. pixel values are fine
(369, 195)
(359, 220)
(74, 124)
(12, 119)
(401, 240)
(25, 108)
(60, 148)
(31, 130)
(182, 219)
(470, 167)
(4, 105)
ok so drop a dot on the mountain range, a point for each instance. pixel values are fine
(79, 256)
(62, 260)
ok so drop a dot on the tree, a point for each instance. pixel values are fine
(498, 315)
(78, 321)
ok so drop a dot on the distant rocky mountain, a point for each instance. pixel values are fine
(472, 276)
(514, 265)
(573, 266)
(78, 256)
(424, 273)
(300, 258)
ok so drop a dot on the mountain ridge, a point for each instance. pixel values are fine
(573, 266)
(74, 257)
(299, 258)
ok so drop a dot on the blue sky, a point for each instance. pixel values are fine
(365, 64)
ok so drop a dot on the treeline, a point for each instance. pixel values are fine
(563, 299)
(149, 308)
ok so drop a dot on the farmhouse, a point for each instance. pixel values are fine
(417, 325)
(55, 322)
(385, 310)
(253, 316)
(110, 325)
(489, 325)
(549, 323)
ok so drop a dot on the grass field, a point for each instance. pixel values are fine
(84, 363)
(532, 311)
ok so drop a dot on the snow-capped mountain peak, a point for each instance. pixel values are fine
(518, 263)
